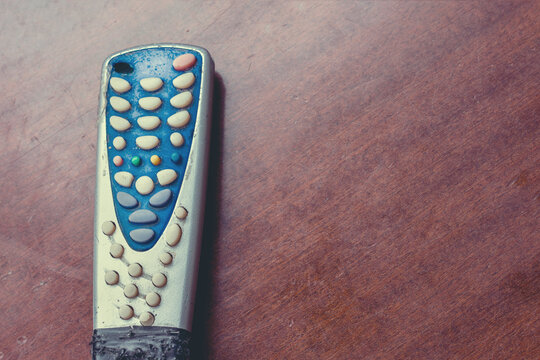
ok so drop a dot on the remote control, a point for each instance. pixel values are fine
(153, 141)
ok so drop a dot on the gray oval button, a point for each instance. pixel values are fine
(141, 235)
(142, 216)
(161, 198)
(126, 200)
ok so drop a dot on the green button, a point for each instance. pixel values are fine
(136, 161)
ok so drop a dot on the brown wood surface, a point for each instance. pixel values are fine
(374, 185)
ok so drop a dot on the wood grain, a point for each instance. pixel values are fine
(374, 184)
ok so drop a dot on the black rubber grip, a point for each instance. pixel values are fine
(149, 343)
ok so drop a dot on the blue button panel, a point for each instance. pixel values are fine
(133, 67)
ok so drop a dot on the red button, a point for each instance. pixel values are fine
(184, 62)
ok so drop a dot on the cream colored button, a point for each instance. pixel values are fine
(125, 312)
(153, 299)
(146, 319)
(151, 84)
(119, 143)
(179, 120)
(177, 139)
(135, 270)
(119, 123)
(119, 104)
(165, 258)
(159, 280)
(180, 212)
(131, 291)
(184, 81)
(167, 176)
(147, 142)
(173, 235)
(123, 178)
(116, 250)
(144, 185)
(148, 122)
(111, 277)
(108, 227)
(150, 102)
(120, 85)
(182, 100)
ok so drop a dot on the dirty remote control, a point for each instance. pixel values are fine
(153, 141)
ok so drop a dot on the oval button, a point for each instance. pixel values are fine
(184, 81)
(147, 142)
(126, 200)
(150, 102)
(148, 122)
(141, 235)
(167, 176)
(119, 123)
(120, 85)
(178, 120)
(161, 198)
(182, 100)
(119, 104)
(142, 216)
(184, 62)
(151, 84)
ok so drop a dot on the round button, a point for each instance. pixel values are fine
(165, 258)
(177, 139)
(116, 250)
(111, 277)
(135, 270)
(136, 161)
(146, 319)
(108, 227)
(144, 185)
(153, 299)
(175, 157)
(119, 143)
(125, 312)
(131, 291)
(180, 212)
(159, 280)
(118, 161)
(155, 160)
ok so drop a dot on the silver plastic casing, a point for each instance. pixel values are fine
(178, 295)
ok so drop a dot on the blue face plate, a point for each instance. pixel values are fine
(132, 67)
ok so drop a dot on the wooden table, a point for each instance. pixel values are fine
(374, 184)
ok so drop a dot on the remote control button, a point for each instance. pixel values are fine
(155, 160)
(175, 157)
(184, 81)
(151, 84)
(108, 227)
(146, 319)
(177, 139)
(135, 270)
(123, 178)
(119, 104)
(144, 185)
(165, 258)
(141, 236)
(119, 123)
(180, 212)
(161, 198)
(182, 100)
(118, 161)
(142, 216)
(147, 142)
(120, 85)
(167, 176)
(184, 62)
(173, 235)
(116, 250)
(119, 143)
(126, 200)
(148, 122)
(150, 103)
(159, 280)
(136, 161)
(111, 277)
(125, 312)
(178, 120)
(153, 299)
(131, 290)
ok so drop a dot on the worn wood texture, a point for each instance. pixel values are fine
(374, 187)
